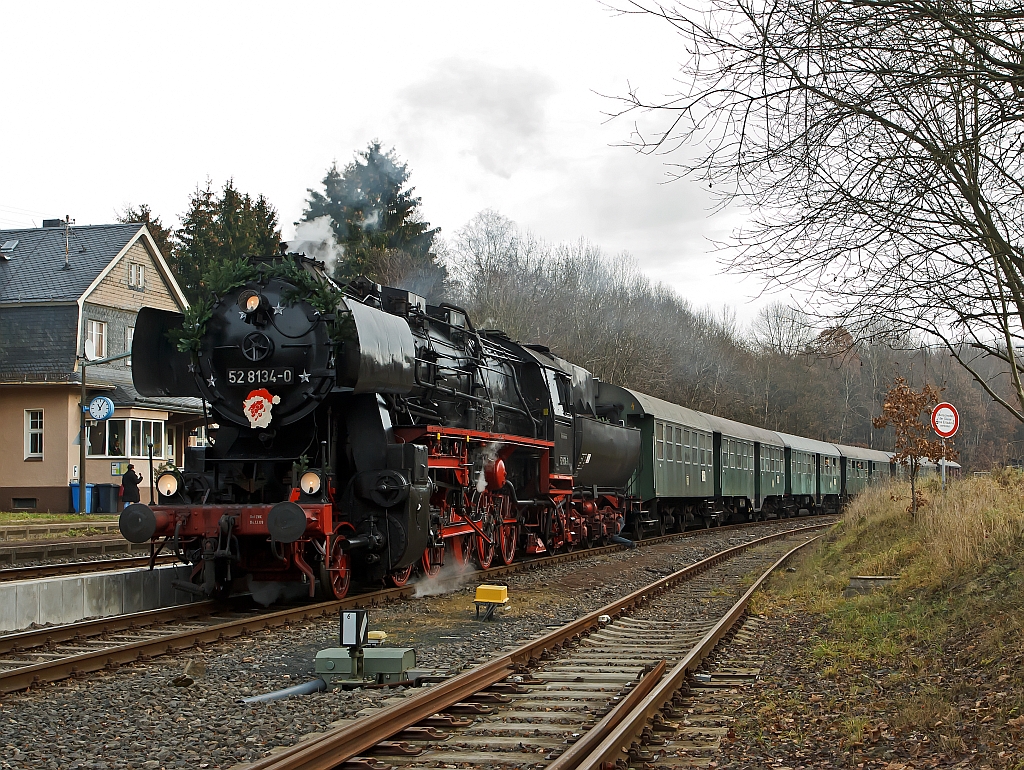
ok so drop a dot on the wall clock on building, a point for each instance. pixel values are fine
(101, 408)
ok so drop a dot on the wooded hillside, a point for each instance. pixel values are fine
(783, 373)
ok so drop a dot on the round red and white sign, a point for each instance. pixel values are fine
(945, 420)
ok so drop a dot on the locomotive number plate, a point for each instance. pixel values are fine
(261, 376)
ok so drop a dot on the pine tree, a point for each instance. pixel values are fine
(377, 221)
(225, 227)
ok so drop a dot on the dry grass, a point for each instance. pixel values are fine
(946, 638)
(976, 520)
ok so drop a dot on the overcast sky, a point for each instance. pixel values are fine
(492, 106)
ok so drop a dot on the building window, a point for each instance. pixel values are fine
(113, 437)
(197, 437)
(95, 438)
(144, 432)
(136, 276)
(96, 333)
(129, 335)
(33, 434)
(25, 503)
(105, 439)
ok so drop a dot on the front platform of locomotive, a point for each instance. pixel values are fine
(261, 501)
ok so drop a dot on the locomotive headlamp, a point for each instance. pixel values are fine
(249, 301)
(310, 482)
(167, 484)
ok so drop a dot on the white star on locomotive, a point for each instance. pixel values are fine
(304, 377)
(278, 309)
(213, 381)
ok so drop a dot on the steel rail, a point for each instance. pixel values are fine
(79, 567)
(39, 637)
(336, 746)
(618, 740)
(611, 720)
(12, 551)
(24, 677)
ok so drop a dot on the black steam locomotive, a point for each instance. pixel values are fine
(359, 431)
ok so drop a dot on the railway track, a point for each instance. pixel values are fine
(63, 569)
(14, 551)
(50, 654)
(584, 695)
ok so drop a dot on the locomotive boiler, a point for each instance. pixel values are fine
(360, 433)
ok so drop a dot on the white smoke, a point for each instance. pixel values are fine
(371, 220)
(316, 239)
(487, 455)
(266, 593)
(451, 578)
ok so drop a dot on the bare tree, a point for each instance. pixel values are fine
(782, 330)
(878, 143)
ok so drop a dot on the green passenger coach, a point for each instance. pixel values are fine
(743, 482)
(860, 468)
(676, 470)
(813, 476)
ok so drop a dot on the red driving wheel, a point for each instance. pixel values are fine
(507, 536)
(399, 578)
(433, 558)
(458, 547)
(484, 552)
(338, 572)
(489, 523)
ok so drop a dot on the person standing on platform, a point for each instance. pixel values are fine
(130, 486)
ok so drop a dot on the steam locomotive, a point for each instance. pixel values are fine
(370, 435)
(359, 432)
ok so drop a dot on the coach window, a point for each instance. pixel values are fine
(670, 454)
(33, 434)
(659, 439)
(679, 445)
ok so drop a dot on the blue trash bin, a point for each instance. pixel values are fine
(88, 497)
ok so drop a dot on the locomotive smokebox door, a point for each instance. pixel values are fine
(355, 625)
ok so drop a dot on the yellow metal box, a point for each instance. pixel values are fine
(492, 594)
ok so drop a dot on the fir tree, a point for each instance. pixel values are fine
(378, 223)
(164, 236)
(225, 227)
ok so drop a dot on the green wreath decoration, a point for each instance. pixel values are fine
(228, 273)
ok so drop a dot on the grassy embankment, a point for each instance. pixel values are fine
(940, 653)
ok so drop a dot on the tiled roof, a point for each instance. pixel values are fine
(34, 270)
(37, 343)
(126, 395)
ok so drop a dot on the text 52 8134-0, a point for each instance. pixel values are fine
(261, 376)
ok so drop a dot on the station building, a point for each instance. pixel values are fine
(60, 287)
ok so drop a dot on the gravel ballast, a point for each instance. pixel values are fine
(136, 717)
